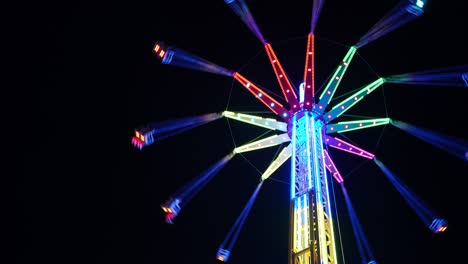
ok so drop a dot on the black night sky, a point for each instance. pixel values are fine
(87, 196)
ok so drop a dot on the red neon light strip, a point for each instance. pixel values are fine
(309, 74)
(267, 100)
(286, 87)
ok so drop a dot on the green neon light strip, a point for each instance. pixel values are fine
(346, 104)
(282, 157)
(335, 80)
(346, 126)
(263, 143)
(257, 121)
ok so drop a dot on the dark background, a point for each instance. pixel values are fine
(86, 195)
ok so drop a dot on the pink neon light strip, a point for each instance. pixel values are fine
(331, 167)
(345, 146)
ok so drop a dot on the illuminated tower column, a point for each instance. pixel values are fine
(311, 229)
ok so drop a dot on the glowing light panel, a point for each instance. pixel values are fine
(263, 143)
(257, 121)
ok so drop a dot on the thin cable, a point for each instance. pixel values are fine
(230, 132)
(361, 116)
(368, 64)
(249, 61)
(317, 91)
(254, 112)
(378, 76)
(338, 220)
(276, 154)
(332, 41)
(386, 115)
(355, 168)
(379, 139)
(345, 94)
(248, 161)
(277, 151)
(227, 119)
(360, 165)
(279, 97)
(342, 134)
(261, 135)
(229, 96)
(384, 100)
(376, 145)
(282, 42)
(271, 178)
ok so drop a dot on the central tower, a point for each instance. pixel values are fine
(311, 228)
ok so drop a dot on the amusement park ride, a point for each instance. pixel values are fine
(306, 126)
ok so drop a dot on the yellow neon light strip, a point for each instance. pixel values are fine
(263, 143)
(269, 123)
(282, 157)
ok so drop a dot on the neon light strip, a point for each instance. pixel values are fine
(319, 200)
(309, 167)
(267, 100)
(321, 222)
(304, 223)
(335, 80)
(283, 80)
(307, 223)
(294, 238)
(315, 144)
(309, 82)
(349, 102)
(257, 121)
(330, 217)
(347, 126)
(284, 155)
(297, 227)
(293, 159)
(345, 146)
(263, 143)
(301, 223)
(331, 167)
